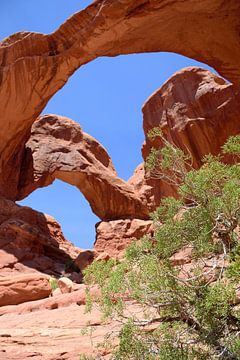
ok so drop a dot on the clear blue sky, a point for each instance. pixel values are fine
(104, 96)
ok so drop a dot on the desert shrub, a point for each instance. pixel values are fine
(53, 283)
(189, 312)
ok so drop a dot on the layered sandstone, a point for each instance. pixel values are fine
(35, 66)
(191, 108)
(32, 242)
(59, 149)
(23, 288)
(61, 334)
(113, 237)
(56, 301)
(197, 111)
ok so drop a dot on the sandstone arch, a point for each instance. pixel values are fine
(59, 149)
(35, 66)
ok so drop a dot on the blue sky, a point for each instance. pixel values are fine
(104, 96)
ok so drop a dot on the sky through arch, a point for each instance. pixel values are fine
(104, 96)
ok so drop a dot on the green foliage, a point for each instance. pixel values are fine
(193, 317)
(232, 146)
(213, 307)
(53, 283)
(154, 133)
(86, 357)
(233, 271)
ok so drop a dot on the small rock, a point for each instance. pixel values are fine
(65, 285)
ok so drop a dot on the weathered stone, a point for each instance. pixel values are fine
(32, 241)
(77, 297)
(58, 148)
(183, 256)
(197, 111)
(22, 288)
(84, 259)
(113, 237)
(35, 66)
(65, 285)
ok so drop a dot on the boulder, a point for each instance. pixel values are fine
(23, 288)
(57, 301)
(65, 285)
(84, 259)
(113, 237)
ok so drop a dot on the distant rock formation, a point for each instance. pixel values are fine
(197, 111)
(191, 108)
(59, 149)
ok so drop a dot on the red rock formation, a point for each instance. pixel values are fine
(51, 333)
(35, 66)
(23, 288)
(31, 241)
(77, 297)
(191, 108)
(113, 237)
(58, 148)
(84, 259)
(197, 111)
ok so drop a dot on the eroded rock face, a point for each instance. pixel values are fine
(23, 288)
(31, 241)
(35, 66)
(197, 111)
(192, 107)
(113, 237)
(62, 299)
(58, 148)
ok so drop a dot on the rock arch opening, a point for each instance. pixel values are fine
(69, 207)
(52, 141)
(106, 96)
(52, 59)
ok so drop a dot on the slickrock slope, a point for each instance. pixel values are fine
(58, 148)
(33, 67)
(50, 329)
(52, 334)
(56, 334)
